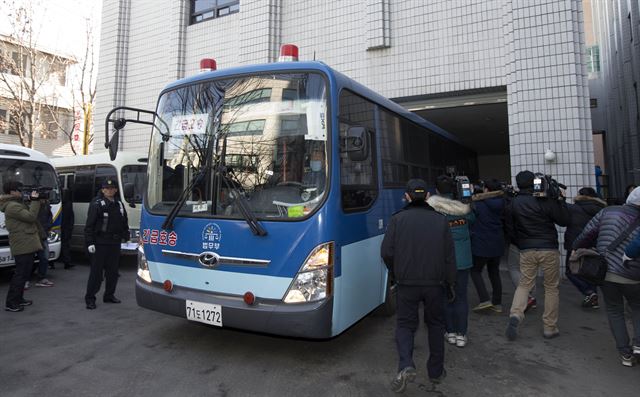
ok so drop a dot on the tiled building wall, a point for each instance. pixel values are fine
(548, 91)
(398, 48)
(618, 33)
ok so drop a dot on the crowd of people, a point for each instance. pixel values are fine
(432, 265)
(28, 220)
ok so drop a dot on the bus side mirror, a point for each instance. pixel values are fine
(113, 145)
(357, 144)
(129, 193)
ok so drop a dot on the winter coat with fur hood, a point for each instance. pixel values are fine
(459, 216)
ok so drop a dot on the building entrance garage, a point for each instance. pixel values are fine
(478, 118)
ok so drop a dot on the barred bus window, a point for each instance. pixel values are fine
(203, 10)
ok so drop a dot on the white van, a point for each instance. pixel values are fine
(35, 171)
(84, 175)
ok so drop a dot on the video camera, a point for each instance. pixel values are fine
(509, 190)
(464, 189)
(44, 192)
(546, 186)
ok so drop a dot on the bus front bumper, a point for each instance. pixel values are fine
(305, 320)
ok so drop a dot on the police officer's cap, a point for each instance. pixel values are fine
(109, 183)
(416, 188)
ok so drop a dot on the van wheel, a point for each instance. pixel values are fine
(388, 308)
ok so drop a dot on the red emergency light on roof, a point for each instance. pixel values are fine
(207, 65)
(288, 53)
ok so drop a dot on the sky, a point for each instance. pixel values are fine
(59, 24)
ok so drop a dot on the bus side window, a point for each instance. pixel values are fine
(83, 185)
(358, 179)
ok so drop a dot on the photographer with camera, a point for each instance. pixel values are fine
(530, 221)
(22, 224)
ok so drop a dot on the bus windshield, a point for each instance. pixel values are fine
(32, 174)
(259, 139)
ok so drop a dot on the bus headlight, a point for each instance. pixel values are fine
(143, 265)
(314, 280)
(54, 236)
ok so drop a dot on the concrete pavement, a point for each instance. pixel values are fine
(58, 348)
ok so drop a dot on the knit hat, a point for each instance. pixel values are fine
(524, 179)
(634, 197)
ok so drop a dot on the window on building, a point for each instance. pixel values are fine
(255, 96)
(14, 123)
(4, 62)
(18, 68)
(593, 102)
(203, 10)
(57, 73)
(244, 128)
(3, 120)
(593, 59)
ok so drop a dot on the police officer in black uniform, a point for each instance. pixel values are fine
(107, 226)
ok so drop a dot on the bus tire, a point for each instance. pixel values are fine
(388, 308)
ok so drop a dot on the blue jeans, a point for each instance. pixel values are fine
(457, 313)
(614, 294)
(584, 287)
(43, 258)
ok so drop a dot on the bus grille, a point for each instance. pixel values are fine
(4, 241)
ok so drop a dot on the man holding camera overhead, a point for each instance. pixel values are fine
(530, 221)
(24, 240)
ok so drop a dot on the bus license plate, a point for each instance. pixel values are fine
(204, 312)
(6, 259)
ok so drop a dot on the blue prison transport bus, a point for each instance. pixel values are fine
(269, 191)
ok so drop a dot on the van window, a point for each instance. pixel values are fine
(83, 190)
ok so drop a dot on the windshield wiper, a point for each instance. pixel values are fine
(221, 172)
(168, 221)
(241, 202)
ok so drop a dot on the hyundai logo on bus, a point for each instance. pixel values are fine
(209, 259)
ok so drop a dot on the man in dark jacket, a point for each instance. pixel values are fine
(586, 205)
(66, 229)
(531, 223)
(21, 221)
(107, 226)
(620, 282)
(418, 250)
(45, 220)
(487, 244)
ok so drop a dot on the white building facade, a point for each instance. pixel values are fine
(525, 58)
